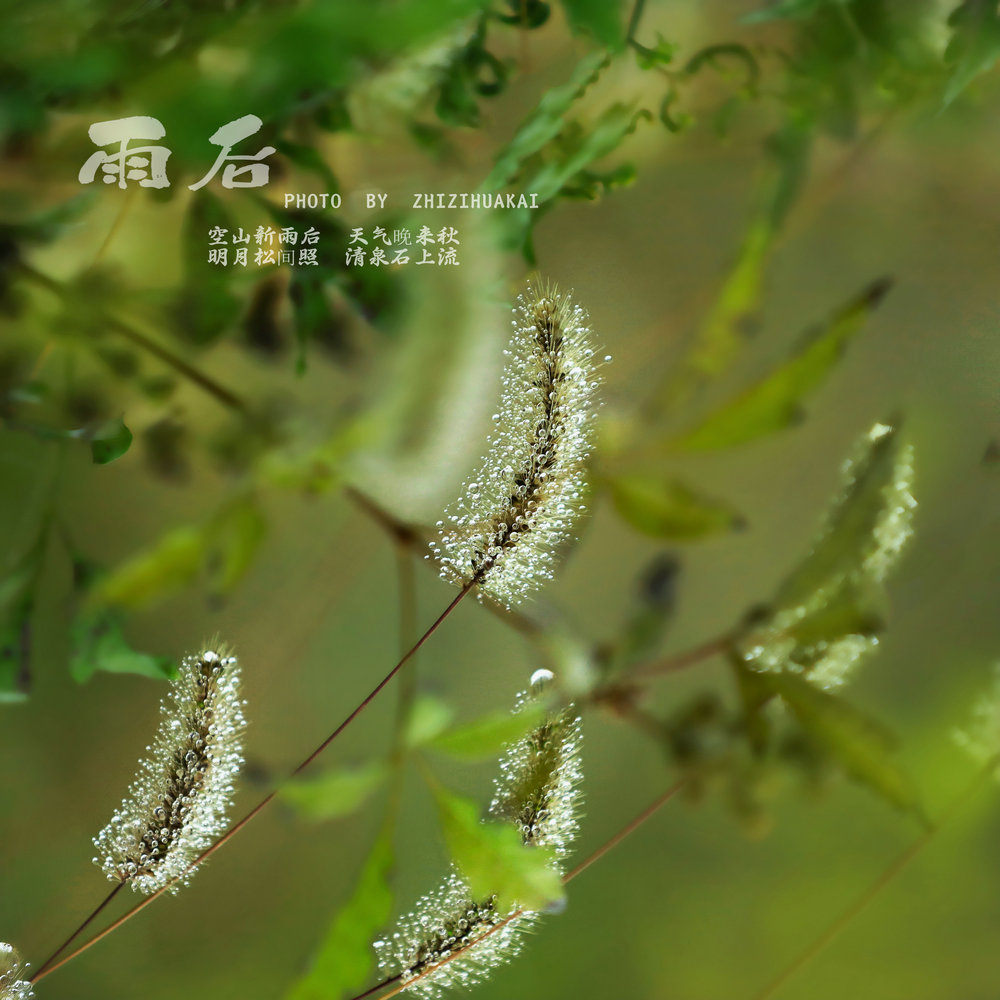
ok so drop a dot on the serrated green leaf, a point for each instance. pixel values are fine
(493, 859)
(545, 122)
(602, 137)
(485, 737)
(862, 746)
(97, 643)
(171, 564)
(775, 402)
(974, 46)
(344, 960)
(602, 19)
(858, 526)
(666, 508)
(110, 441)
(336, 793)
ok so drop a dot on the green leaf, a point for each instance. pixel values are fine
(484, 738)
(599, 139)
(110, 441)
(602, 19)
(15, 658)
(493, 859)
(856, 607)
(861, 745)
(545, 122)
(336, 793)
(775, 402)
(170, 565)
(428, 717)
(344, 960)
(974, 46)
(665, 508)
(735, 312)
(234, 535)
(97, 643)
(786, 9)
(17, 605)
(866, 526)
(650, 615)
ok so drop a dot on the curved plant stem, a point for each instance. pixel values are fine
(94, 913)
(225, 396)
(236, 827)
(607, 846)
(687, 658)
(888, 874)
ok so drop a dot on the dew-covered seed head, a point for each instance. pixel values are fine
(13, 982)
(453, 940)
(516, 512)
(179, 801)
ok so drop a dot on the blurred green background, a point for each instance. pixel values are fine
(386, 381)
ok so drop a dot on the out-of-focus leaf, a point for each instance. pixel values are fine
(110, 441)
(336, 793)
(734, 314)
(665, 508)
(428, 718)
(786, 9)
(602, 19)
(599, 139)
(493, 859)
(225, 546)
(170, 565)
(17, 605)
(234, 537)
(861, 745)
(775, 402)
(545, 122)
(826, 612)
(344, 959)
(487, 736)
(526, 13)
(97, 643)
(974, 46)
(650, 614)
(15, 656)
(205, 308)
(867, 525)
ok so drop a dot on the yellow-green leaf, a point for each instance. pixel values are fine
(665, 508)
(344, 960)
(861, 745)
(170, 565)
(336, 793)
(776, 400)
(487, 736)
(493, 859)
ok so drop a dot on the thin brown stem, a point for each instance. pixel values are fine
(416, 539)
(816, 946)
(607, 846)
(225, 396)
(233, 830)
(687, 658)
(94, 914)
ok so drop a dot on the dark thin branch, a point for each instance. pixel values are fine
(225, 396)
(607, 846)
(901, 862)
(233, 830)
